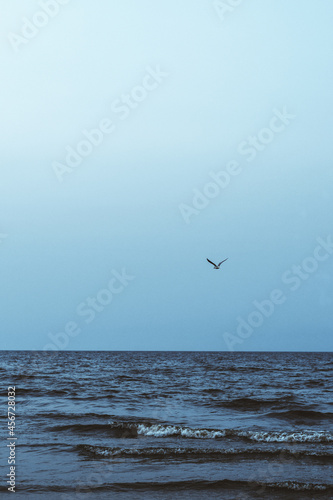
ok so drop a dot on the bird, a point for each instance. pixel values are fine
(217, 266)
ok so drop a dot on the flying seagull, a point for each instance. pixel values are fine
(217, 266)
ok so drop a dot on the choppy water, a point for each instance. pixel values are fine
(134, 425)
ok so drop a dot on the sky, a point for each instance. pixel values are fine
(139, 138)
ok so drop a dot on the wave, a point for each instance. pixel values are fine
(120, 429)
(306, 436)
(74, 416)
(208, 454)
(314, 383)
(254, 404)
(238, 368)
(197, 485)
(302, 414)
(24, 376)
(37, 392)
(134, 428)
(225, 484)
(298, 486)
(213, 391)
(127, 429)
(194, 485)
(82, 428)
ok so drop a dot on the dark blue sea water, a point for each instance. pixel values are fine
(164, 425)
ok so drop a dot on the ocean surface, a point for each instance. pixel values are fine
(165, 425)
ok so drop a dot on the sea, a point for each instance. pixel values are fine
(166, 425)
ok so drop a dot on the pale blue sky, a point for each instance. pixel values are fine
(119, 208)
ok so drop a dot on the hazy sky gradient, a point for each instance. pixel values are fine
(120, 207)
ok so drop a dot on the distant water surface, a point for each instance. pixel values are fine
(164, 425)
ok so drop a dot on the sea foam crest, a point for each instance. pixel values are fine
(306, 436)
(173, 430)
(293, 485)
(160, 431)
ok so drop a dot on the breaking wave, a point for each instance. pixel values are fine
(126, 429)
(208, 454)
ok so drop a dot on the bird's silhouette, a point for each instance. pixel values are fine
(217, 266)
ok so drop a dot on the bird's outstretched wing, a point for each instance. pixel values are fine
(223, 261)
(211, 262)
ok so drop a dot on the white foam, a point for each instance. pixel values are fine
(291, 485)
(172, 430)
(307, 436)
(302, 436)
